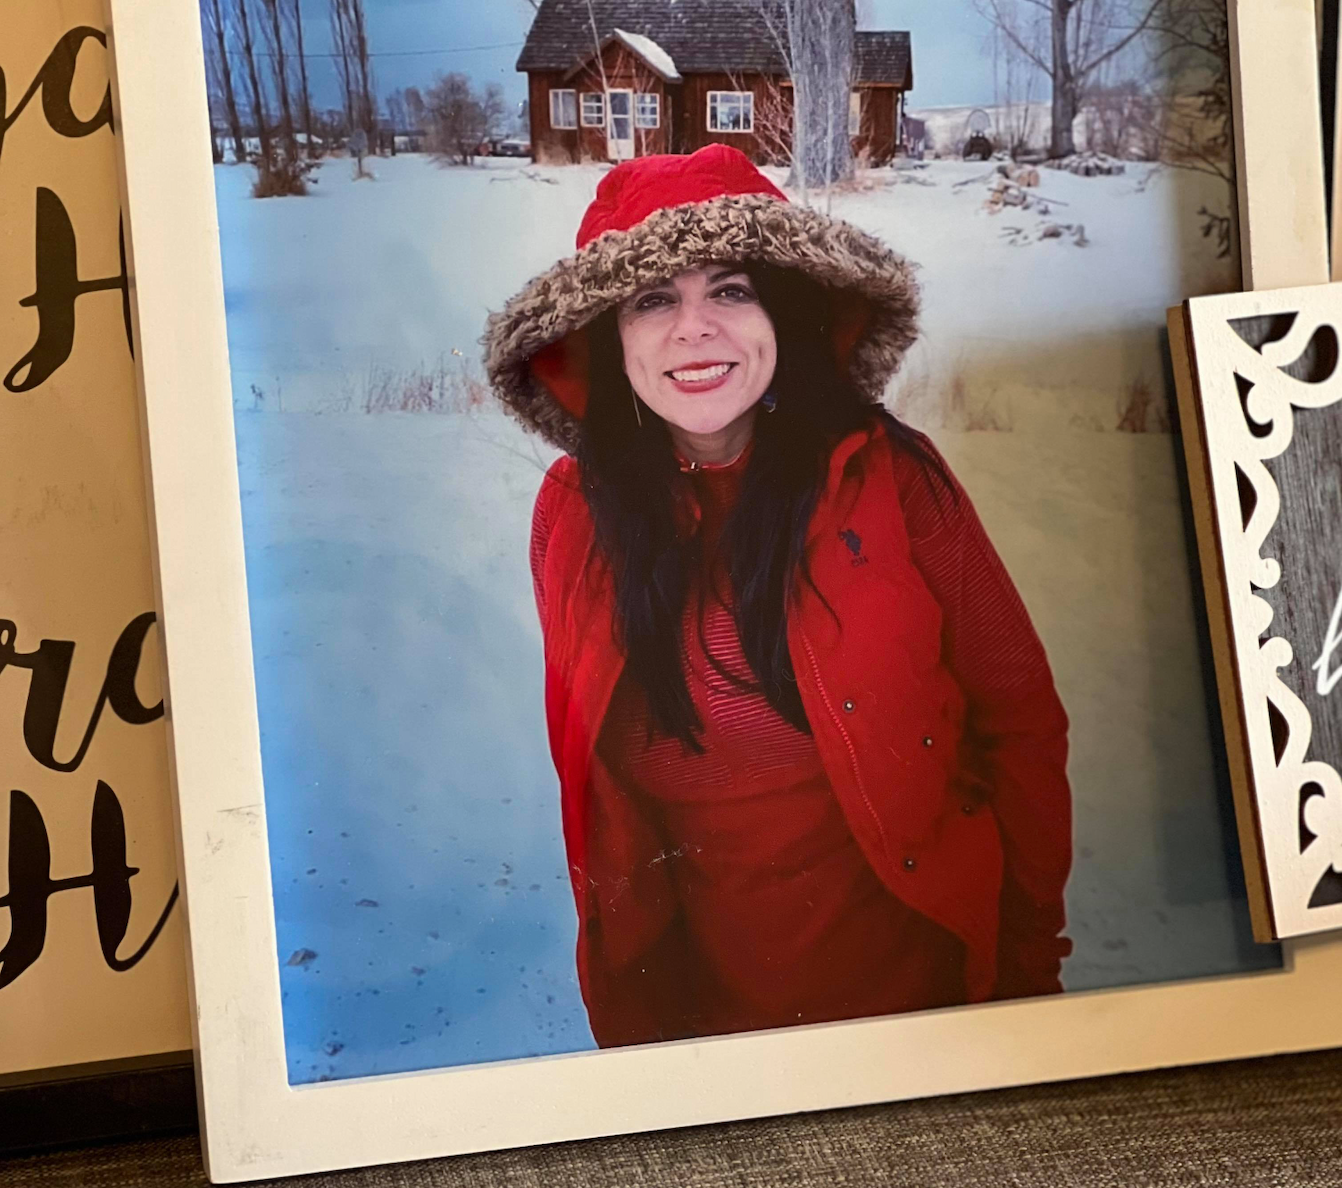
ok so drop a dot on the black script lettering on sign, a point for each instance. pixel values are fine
(31, 885)
(50, 663)
(58, 288)
(55, 80)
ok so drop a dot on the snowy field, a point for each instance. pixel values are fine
(423, 911)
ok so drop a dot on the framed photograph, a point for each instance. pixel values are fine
(682, 619)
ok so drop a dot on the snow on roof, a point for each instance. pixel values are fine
(652, 54)
(701, 36)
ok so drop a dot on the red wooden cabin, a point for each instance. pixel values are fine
(670, 76)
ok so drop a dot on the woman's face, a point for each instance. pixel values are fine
(699, 349)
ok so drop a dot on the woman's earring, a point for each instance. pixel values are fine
(769, 401)
(638, 416)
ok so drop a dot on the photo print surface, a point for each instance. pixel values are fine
(957, 745)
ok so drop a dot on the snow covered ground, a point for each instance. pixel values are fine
(422, 906)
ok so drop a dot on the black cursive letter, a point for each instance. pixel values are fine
(31, 885)
(55, 80)
(50, 666)
(58, 288)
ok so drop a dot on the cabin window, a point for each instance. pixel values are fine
(593, 109)
(855, 113)
(647, 111)
(731, 111)
(563, 109)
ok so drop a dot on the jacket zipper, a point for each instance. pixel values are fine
(848, 742)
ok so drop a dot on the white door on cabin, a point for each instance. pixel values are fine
(620, 126)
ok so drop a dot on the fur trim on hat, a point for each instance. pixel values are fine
(676, 239)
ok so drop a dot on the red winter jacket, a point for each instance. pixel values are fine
(951, 772)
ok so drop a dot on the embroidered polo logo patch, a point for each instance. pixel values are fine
(854, 545)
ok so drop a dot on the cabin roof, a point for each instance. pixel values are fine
(697, 36)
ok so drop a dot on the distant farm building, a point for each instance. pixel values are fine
(679, 74)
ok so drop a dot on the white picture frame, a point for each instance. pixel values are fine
(255, 1124)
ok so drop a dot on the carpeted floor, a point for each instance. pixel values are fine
(1271, 1122)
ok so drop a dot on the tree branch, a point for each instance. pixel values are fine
(994, 13)
(1081, 71)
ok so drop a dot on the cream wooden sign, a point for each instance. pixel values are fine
(91, 962)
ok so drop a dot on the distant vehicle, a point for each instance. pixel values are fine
(978, 145)
(978, 148)
(511, 148)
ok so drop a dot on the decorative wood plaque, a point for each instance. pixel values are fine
(1260, 390)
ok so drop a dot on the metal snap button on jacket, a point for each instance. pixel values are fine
(849, 706)
(927, 740)
(910, 863)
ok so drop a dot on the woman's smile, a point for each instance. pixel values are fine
(701, 377)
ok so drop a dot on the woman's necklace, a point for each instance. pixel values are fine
(688, 467)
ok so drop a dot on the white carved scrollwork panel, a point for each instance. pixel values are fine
(1261, 359)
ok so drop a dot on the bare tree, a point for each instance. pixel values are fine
(599, 55)
(415, 107)
(397, 111)
(1193, 47)
(304, 89)
(1195, 127)
(773, 115)
(396, 117)
(221, 68)
(1080, 37)
(277, 172)
(825, 58)
(459, 117)
(779, 19)
(247, 44)
(1123, 119)
(367, 105)
(815, 39)
(1014, 80)
(341, 55)
(279, 60)
(495, 109)
(349, 36)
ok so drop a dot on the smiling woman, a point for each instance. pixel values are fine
(811, 759)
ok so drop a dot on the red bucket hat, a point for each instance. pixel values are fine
(655, 217)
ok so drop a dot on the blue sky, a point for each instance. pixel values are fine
(413, 40)
(950, 65)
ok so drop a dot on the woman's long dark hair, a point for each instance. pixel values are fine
(630, 477)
